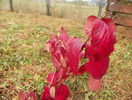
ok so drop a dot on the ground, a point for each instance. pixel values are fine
(24, 62)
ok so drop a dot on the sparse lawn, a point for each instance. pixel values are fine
(24, 62)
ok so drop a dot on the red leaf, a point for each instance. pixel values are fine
(53, 78)
(56, 77)
(89, 24)
(32, 95)
(100, 46)
(109, 22)
(75, 46)
(97, 68)
(66, 52)
(62, 92)
(102, 36)
(82, 69)
(55, 60)
(63, 36)
(27, 95)
(94, 84)
(22, 95)
(46, 94)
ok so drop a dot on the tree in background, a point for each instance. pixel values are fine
(11, 5)
(48, 7)
(100, 8)
(101, 4)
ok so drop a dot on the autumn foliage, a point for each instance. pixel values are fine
(66, 53)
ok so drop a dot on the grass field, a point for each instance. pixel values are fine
(23, 59)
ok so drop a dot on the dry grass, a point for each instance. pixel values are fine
(23, 59)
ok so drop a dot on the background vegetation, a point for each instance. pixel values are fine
(74, 11)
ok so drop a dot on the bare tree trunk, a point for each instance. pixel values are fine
(11, 5)
(100, 8)
(48, 7)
